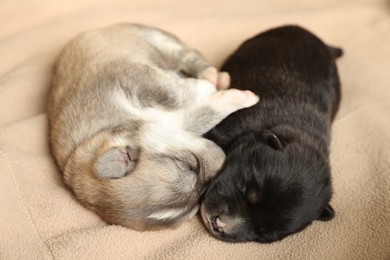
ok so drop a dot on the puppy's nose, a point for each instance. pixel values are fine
(217, 224)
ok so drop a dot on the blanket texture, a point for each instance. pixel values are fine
(40, 219)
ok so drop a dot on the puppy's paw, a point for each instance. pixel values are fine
(116, 163)
(221, 80)
(210, 74)
(234, 99)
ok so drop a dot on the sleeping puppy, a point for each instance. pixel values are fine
(127, 109)
(276, 177)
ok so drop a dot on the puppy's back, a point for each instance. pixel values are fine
(295, 75)
(306, 74)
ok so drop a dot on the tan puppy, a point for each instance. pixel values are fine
(127, 109)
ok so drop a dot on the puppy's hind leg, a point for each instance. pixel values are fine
(184, 59)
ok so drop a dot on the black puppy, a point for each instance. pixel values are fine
(276, 178)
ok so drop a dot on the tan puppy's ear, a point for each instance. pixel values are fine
(116, 162)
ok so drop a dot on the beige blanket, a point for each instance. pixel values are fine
(39, 218)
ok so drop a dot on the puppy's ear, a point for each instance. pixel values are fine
(116, 162)
(327, 213)
(272, 140)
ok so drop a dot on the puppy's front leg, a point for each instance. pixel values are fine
(215, 107)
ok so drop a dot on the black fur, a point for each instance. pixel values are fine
(276, 178)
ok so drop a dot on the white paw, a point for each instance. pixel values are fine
(223, 80)
(210, 74)
(234, 99)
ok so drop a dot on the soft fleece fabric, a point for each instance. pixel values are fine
(39, 218)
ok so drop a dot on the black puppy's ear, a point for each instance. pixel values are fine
(327, 213)
(116, 162)
(272, 140)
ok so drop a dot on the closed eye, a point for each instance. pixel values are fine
(183, 165)
(188, 163)
(196, 167)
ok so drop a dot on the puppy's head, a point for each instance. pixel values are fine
(144, 179)
(268, 189)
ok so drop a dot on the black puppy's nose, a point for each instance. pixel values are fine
(214, 224)
(217, 224)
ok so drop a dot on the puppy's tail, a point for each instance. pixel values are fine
(335, 52)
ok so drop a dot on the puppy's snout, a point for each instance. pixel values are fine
(217, 224)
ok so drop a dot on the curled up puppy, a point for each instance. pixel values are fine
(276, 179)
(127, 109)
